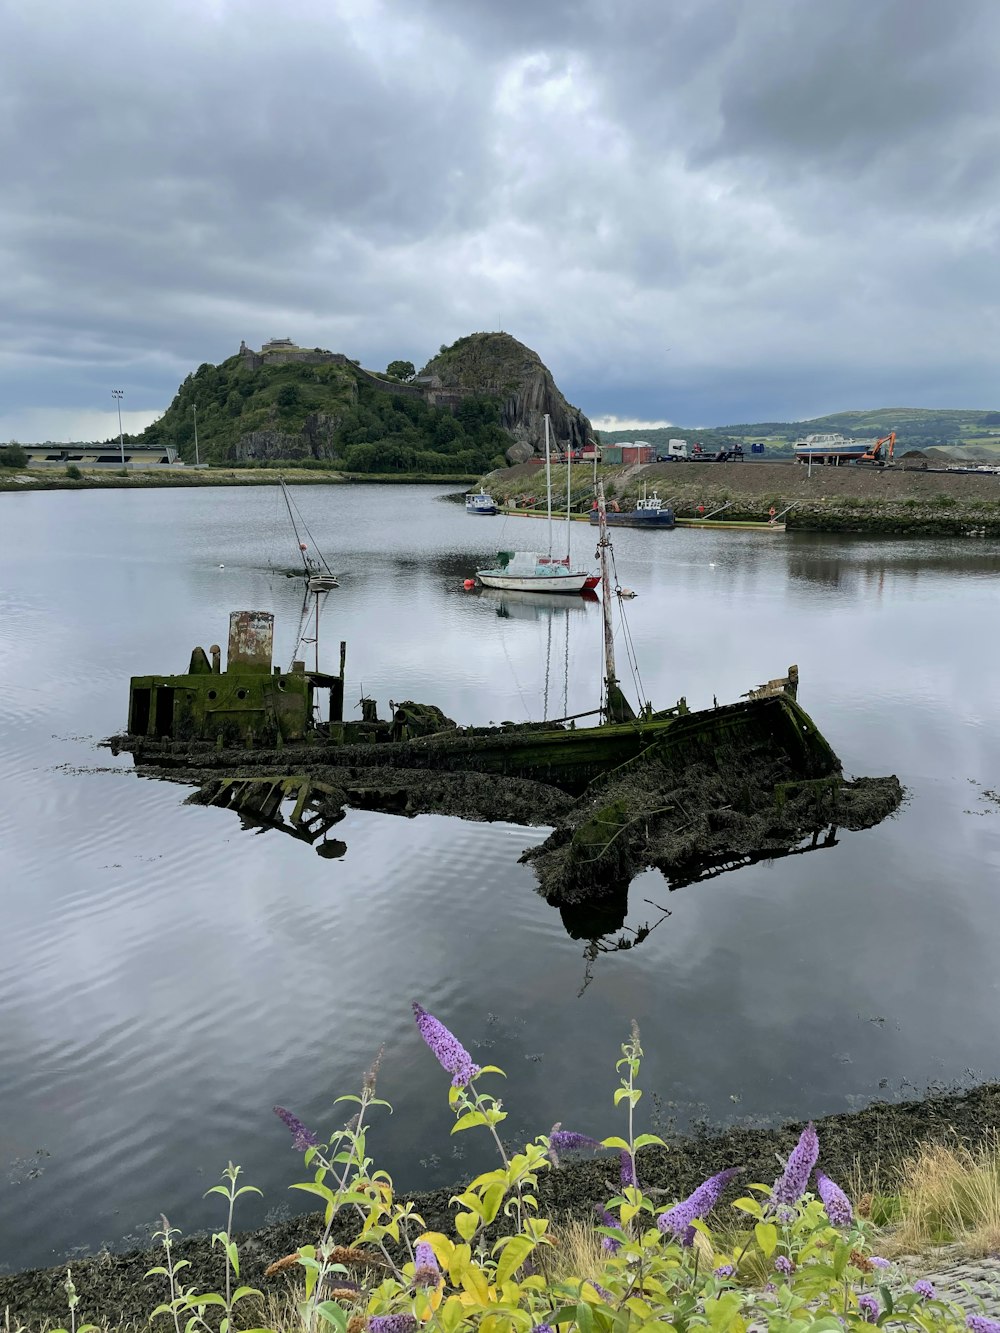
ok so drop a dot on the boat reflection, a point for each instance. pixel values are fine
(509, 605)
(306, 809)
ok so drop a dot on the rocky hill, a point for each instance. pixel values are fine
(498, 365)
(476, 403)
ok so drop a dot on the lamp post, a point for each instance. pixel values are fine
(194, 409)
(118, 395)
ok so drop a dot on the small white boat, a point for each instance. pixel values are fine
(483, 503)
(527, 571)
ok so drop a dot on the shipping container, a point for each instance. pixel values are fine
(611, 453)
(636, 453)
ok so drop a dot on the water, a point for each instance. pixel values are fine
(166, 977)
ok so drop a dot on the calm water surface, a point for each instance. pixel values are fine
(166, 976)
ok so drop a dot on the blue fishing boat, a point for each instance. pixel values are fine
(480, 503)
(649, 512)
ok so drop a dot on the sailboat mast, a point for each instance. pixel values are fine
(569, 466)
(295, 526)
(610, 678)
(548, 479)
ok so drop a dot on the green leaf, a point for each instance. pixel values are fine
(492, 1069)
(333, 1314)
(615, 1142)
(584, 1317)
(233, 1254)
(767, 1238)
(248, 1189)
(645, 1139)
(240, 1292)
(217, 1189)
(468, 1120)
(515, 1252)
(310, 1187)
(466, 1224)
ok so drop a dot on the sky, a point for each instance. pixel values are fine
(696, 211)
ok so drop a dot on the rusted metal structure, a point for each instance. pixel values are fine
(251, 703)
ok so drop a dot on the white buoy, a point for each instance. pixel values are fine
(222, 566)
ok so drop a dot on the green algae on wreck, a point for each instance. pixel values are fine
(680, 790)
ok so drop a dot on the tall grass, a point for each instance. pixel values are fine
(949, 1194)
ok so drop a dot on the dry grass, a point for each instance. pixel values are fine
(949, 1194)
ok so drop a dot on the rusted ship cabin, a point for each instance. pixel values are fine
(250, 703)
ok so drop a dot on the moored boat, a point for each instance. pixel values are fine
(530, 571)
(480, 503)
(649, 512)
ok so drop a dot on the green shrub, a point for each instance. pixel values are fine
(12, 455)
(73, 472)
(785, 1259)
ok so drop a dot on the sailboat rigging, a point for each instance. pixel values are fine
(528, 571)
(318, 574)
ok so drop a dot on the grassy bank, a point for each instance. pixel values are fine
(873, 501)
(873, 1149)
(37, 479)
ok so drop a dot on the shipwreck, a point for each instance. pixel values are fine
(691, 793)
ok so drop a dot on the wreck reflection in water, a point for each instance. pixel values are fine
(307, 809)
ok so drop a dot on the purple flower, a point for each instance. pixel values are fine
(302, 1138)
(628, 1174)
(603, 1292)
(446, 1048)
(877, 1261)
(542, 1328)
(724, 1270)
(426, 1271)
(565, 1140)
(784, 1265)
(769, 1289)
(392, 1323)
(869, 1308)
(608, 1243)
(835, 1201)
(925, 1289)
(791, 1184)
(679, 1218)
(980, 1324)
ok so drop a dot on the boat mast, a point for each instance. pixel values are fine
(616, 707)
(548, 479)
(609, 636)
(569, 465)
(295, 526)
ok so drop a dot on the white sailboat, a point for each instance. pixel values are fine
(318, 574)
(530, 571)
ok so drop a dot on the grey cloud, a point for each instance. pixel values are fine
(777, 192)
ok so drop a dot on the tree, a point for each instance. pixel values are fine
(12, 455)
(288, 396)
(401, 370)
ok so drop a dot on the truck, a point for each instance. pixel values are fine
(677, 452)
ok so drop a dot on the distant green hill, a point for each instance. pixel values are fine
(915, 427)
(328, 412)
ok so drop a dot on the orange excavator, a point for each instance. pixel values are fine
(874, 453)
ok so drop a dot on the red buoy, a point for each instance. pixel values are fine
(303, 546)
(469, 584)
